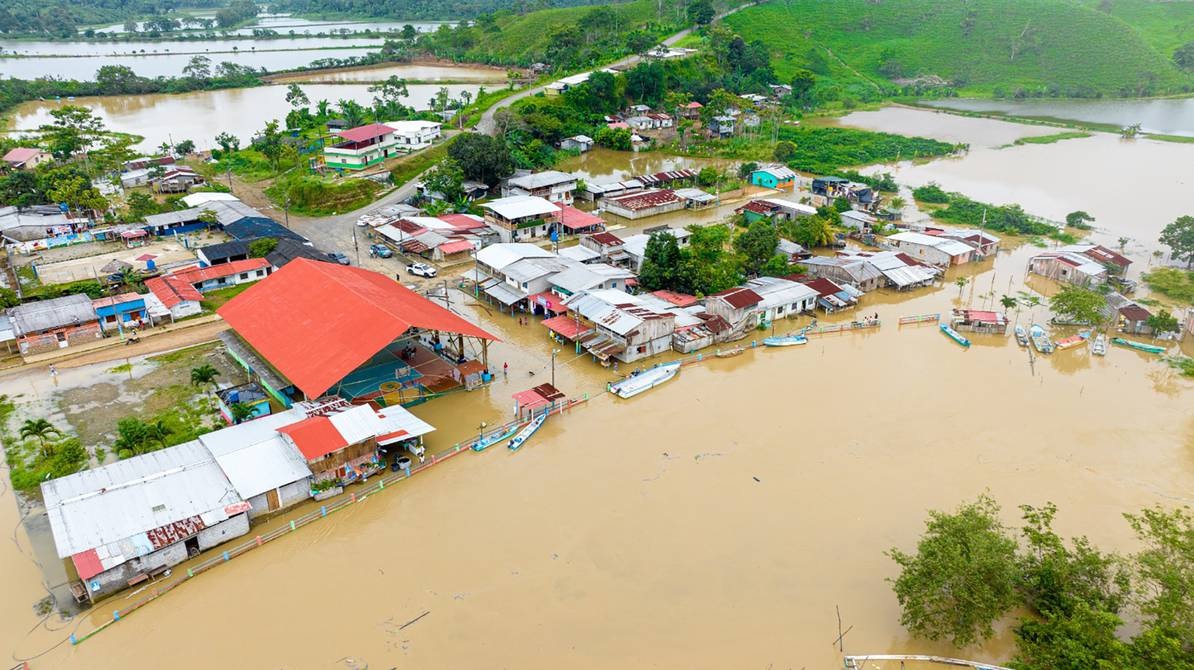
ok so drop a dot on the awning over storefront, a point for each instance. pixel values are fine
(567, 327)
(503, 294)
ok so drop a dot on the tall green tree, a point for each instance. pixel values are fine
(663, 265)
(1164, 573)
(1079, 305)
(962, 578)
(73, 129)
(1179, 237)
(757, 245)
(481, 157)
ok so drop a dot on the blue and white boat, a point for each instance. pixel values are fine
(645, 380)
(1021, 336)
(1040, 339)
(955, 335)
(493, 438)
(785, 340)
(526, 433)
(1099, 346)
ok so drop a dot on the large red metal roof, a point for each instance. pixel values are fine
(316, 322)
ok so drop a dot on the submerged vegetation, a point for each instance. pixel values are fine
(1071, 598)
(1172, 282)
(1010, 219)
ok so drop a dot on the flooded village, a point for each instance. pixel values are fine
(416, 434)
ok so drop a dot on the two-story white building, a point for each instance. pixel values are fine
(551, 185)
(412, 135)
(521, 217)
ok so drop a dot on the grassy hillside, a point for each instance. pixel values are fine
(566, 37)
(1043, 47)
(1163, 24)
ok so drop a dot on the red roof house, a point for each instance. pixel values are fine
(365, 133)
(315, 323)
(315, 437)
(223, 271)
(172, 290)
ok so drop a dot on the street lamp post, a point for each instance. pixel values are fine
(553, 366)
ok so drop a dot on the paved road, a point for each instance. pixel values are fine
(486, 125)
(336, 233)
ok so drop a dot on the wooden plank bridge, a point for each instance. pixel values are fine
(857, 662)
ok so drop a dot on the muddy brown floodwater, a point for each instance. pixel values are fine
(714, 522)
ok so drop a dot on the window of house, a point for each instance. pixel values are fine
(244, 275)
(60, 336)
(111, 318)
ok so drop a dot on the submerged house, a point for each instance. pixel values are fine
(933, 249)
(738, 306)
(979, 321)
(125, 522)
(623, 327)
(1068, 267)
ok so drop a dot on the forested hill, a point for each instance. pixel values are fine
(63, 17)
(423, 9)
(1001, 47)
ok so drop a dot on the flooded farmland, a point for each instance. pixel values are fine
(1133, 188)
(715, 522)
(201, 115)
(409, 71)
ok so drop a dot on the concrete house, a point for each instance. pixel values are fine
(521, 217)
(128, 521)
(782, 298)
(551, 185)
(778, 177)
(413, 135)
(178, 297)
(47, 325)
(933, 249)
(362, 147)
(263, 467)
(26, 158)
(607, 246)
(774, 208)
(122, 312)
(721, 126)
(224, 274)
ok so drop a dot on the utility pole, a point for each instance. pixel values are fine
(553, 366)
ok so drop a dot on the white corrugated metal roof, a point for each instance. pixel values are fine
(577, 279)
(908, 275)
(397, 418)
(776, 291)
(579, 253)
(197, 199)
(533, 268)
(255, 457)
(541, 179)
(117, 501)
(791, 205)
(519, 206)
(498, 256)
(947, 245)
(358, 424)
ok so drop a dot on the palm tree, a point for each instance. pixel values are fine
(1009, 302)
(1123, 242)
(961, 283)
(41, 429)
(240, 412)
(204, 374)
(324, 108)
(897, 203)
(159, 431)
